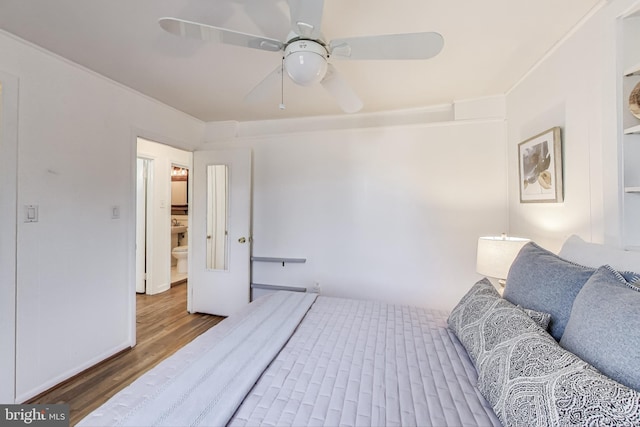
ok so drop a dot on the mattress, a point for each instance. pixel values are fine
(294, 359)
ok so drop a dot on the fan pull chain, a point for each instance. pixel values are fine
(282, 106)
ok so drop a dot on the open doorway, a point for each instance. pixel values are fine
(162, 226)
(179, 224)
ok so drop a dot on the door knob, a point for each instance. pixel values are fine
(242, 240)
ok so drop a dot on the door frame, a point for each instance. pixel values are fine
(137, 133)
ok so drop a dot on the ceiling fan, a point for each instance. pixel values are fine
(306, 54)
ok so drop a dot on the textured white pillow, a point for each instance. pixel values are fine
(530, 380)
(594, 255)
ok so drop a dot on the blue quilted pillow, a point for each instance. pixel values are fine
(542, 281)
(604, 327)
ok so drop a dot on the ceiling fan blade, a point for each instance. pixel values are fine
(194, 30)
(306, 17)
(338, 87)
(266, 87)
(267, 15)
(390, 46)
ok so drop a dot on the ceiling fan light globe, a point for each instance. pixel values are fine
(305, 62)
(306, 68)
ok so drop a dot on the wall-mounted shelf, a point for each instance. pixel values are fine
(263, 288)
(280, 260)
(629, 57)
(632, 71)
(277, 287)
(632, 130)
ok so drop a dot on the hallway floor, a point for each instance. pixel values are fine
(163, 327)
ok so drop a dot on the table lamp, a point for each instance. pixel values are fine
(496, 254)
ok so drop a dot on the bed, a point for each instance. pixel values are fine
(301, 359)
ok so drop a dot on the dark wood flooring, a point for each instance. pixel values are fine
(163, 326)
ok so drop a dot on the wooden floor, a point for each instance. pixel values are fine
(163, 326)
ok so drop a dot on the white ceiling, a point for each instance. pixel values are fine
(489, 46)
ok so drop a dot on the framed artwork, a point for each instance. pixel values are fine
(540, 168)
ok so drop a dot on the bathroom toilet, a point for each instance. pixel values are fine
(180, 253)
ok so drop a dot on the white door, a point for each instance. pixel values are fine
(141, 224)
(220, 244)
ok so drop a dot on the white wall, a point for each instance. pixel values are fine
(8, 195)
(575, 88)
(76, 160)
(390, 213)
(159, 255)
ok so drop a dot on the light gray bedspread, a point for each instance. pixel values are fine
(204, 382)
(330, 362)
(362, 363)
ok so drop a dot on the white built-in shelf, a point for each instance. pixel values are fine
(632, 130)
(633, 71)
(632, 189)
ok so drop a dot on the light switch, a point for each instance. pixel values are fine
(115, 212)
(31, 213)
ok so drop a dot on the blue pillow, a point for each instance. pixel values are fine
(542, 281)
(604, 327)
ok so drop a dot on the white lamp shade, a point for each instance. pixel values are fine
(496, 254)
